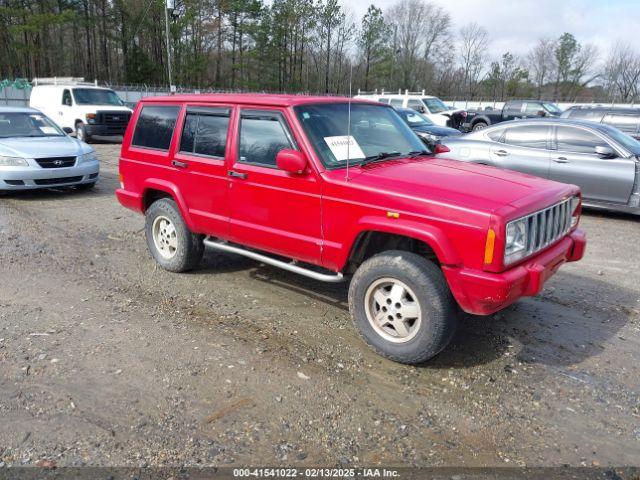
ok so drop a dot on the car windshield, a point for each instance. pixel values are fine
(96, 96)
(375, 130)
(27, 124)
(622, 138)
(551, 108)
(415, 119)
(435, 105)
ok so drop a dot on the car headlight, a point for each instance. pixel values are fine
(88, 157)
(575, 213)
(429, 137)
(13, 162)
(515, 246)
(91, 117)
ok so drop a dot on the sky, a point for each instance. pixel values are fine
(516, 25)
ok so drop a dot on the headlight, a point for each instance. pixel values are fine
(88, 157)
(429, 137)
(91, 117)
(575, 215)
(515, 246)
(13, 162)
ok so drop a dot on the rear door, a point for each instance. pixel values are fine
(199, 165)
(271, 209)
(524, 148)
(574, 161)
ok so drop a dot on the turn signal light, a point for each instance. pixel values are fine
(489, 247)
(440, 149)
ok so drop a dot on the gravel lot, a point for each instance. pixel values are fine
(107, 360)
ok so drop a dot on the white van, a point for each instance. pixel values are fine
(80, 107)
(431, 107)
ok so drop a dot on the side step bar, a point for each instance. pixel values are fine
(323, 277)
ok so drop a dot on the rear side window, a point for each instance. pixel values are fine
(396, 102)
(532, 136)
(205, 131)
(262, 135)
(155, 127)
(627, 123)
(513, 109)
(577, 140)
(66, 98)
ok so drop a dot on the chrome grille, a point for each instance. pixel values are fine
(548, 225)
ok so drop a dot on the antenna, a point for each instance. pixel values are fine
(349, 121)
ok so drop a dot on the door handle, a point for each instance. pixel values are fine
(179, 164)
(501, 153)
(233, 174)
(561, 160)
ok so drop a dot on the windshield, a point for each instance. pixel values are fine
(435, 105)
(96, 96)
(375, 130)
(623, 139)
(415, 119)
(26, 124)
(551, 108)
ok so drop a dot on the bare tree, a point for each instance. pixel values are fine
(622, 73)
(474, 41)
(541, 63)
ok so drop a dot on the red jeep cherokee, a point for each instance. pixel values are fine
(345, 190)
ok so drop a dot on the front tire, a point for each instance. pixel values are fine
(402, 307)
(169, 240)
(81, 133)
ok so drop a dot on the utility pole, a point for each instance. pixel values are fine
(169, 5)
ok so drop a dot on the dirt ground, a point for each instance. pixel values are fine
(107, 360)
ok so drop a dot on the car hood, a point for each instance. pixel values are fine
(460, 184)
(436, 130)
(41, 147)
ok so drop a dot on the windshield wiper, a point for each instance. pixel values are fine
(380, 156)
(417, 153)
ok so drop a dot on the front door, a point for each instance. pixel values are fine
(574, 161)
(272, 210)
(524, 149)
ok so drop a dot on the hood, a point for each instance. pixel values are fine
(437, 130)
(461, 184)
(42, 147)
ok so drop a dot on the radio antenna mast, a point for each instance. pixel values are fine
(349, 122)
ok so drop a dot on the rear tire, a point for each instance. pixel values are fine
(402, 307)
(169, 240)
(479, 126)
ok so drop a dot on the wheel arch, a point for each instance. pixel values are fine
(156, 189)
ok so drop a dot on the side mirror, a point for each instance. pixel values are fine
(67, 130)
(605, 152)
(291, 161)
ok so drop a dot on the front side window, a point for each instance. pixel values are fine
(532, 109)
(396, 102)
(496, 135)
(262, 135)
(585, 114)
(577, 140)
(96, 96)
(552, 108)
(435, 105)
(416, 105)
(374, 129)
(626, 123)
(531, 136)
(205, 131)
(66, 98)
(19, 124)
(155, 127)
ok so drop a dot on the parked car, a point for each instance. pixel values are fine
(479, 119)
(84, 109)
(36, 153)
(428, 132)
(626, 120)
(273, 176)
(431, 107)
(598, 158)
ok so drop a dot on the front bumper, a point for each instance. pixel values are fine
(32, 177)
(482, 293)
(104, 130)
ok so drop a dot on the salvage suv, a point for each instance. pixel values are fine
(336, 189)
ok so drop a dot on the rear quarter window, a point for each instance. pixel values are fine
(155, 127)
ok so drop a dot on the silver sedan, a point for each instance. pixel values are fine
(601, 160)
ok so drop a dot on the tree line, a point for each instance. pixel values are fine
(300, 46)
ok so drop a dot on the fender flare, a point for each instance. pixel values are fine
(174, 192)
(431, 235)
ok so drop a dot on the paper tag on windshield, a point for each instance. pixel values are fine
(48, 130)
(344, 146)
